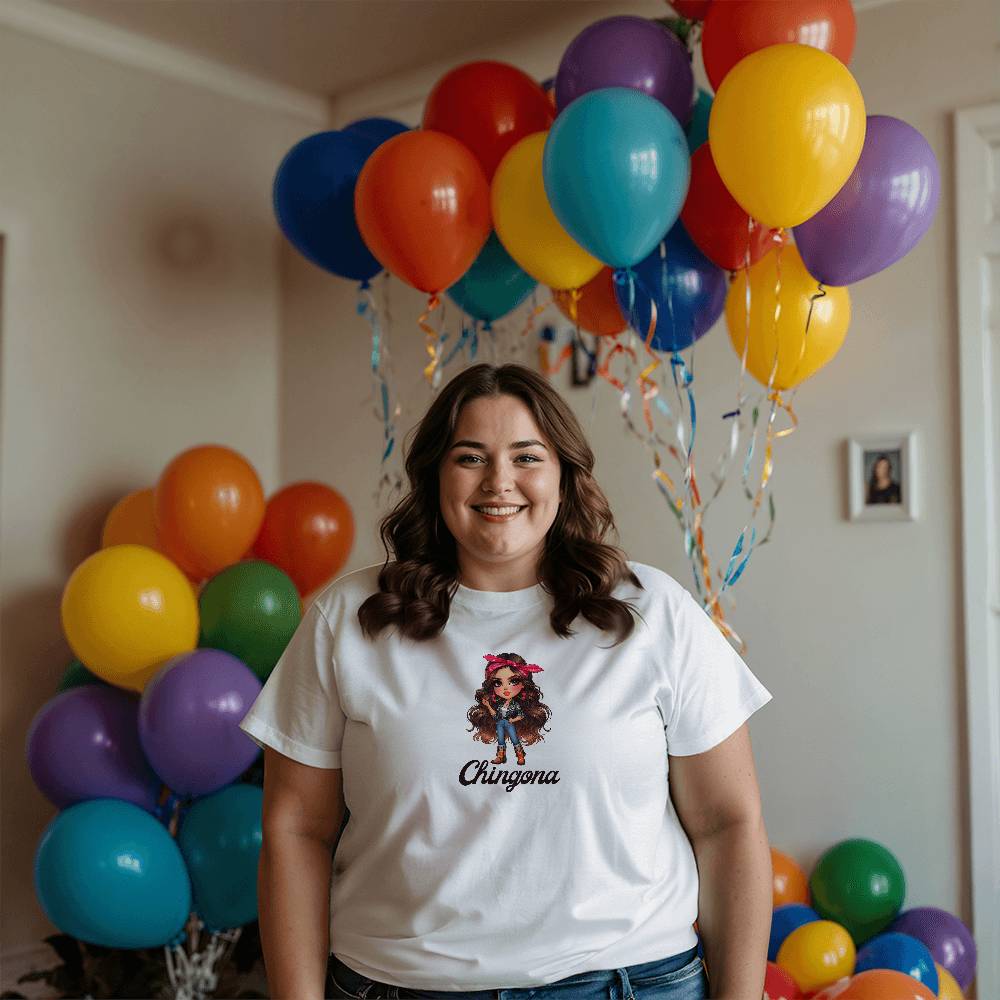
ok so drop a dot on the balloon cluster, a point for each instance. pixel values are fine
(175, 622)
(842, 933)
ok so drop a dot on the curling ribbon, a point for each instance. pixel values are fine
(433, 301)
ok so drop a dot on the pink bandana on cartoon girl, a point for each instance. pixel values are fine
(493, 662)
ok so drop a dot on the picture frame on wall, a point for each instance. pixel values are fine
(882, 477)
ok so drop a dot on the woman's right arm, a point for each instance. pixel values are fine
(303, 811)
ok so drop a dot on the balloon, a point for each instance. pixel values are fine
(489, 107)
(188, 721)
(527, 226)
(108, 873)
(688, 289)
(719, 227)
(375, 131)
(422, 204)
(881, 984)
(736, 28)
(616, 169)
(76, 675)
(220, 839)
(902, 953)
(860, 884)
(817, 954)
(693, 10)
(949, 940)
(786, 130)
(597, 309)
(834, 991)
(308, 532)
(313, 197)
(131, 522)
(84, 744)
(209, 509)
(125, 610)
(948, 988)
(697, 128)
(626, 51)
(493, 286)
(785, 919)
(881, 213)
(779, 985)
(799, 354)
(250, 609)
(790, 882)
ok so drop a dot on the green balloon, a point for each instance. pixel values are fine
(250, 609)
(860, 885)
(77, 675)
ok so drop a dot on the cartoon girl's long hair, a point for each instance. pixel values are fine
(536, 712)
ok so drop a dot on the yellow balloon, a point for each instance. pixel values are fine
(527, 226)
(799, 354)
(131, 522)
(948, 988)
(786, 130)
(125, 610)
(817, 954)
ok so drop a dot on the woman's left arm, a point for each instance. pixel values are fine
(718, 802)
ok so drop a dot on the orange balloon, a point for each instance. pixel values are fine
(209, 507)
(597, 308)
(422, 204)
(790, 882)
(308, 532)
(885, 984)
(131, 522)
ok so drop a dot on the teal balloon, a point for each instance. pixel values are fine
(108, 873)
(77, 675)
(616, 169)
(493, 286)
(697, 129)
(220, 839)
(251, 609)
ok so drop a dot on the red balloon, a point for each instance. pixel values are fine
(423, 207)
(488, 106)
(736, 28)
(779, 985)
(308, 532)
(716, 223)
(693, 10)
(597, 309)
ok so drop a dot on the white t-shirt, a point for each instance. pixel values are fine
(454, 873)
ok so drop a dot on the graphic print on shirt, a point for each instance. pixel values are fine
(508, 706)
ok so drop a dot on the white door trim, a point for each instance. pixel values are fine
(977, 220)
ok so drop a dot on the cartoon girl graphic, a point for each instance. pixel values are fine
(509, 705)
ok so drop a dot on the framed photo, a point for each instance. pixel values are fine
(882, 477)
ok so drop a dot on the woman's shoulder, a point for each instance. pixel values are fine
(657, 585)
(347, 592)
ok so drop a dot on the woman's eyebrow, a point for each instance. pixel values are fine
(513, 446)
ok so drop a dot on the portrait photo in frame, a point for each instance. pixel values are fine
(882, 477)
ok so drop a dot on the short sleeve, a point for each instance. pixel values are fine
(298, 712)
(713, 691)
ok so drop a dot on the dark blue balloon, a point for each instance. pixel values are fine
(688, 289)
(314, 202)
(376, 130)
(902, 953)
(784, 920)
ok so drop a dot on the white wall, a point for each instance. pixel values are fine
(141, 315)
(854, 627)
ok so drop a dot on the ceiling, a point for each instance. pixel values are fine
(326, 47)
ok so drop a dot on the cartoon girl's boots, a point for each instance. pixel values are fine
(519, 750)
(501, 757)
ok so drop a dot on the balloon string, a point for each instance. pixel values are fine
(535, 311)
(433, 301)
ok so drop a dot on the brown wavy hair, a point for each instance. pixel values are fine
(578, 568)
(536, 712)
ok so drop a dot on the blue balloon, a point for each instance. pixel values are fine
(376, 130)
(688, 289)
(784, 920)
(494, 284)
(220, 839)
(108, 873)
(616, 168)
(314, 202)
(902, 953)
(697, 129)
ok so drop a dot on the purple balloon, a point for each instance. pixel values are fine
(629, 52)
(84, 744)
(949, 940)
(880, 214)
(188, 721)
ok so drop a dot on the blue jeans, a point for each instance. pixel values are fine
(679, 977)
(506, 728)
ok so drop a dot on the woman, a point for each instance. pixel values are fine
(882, 488)
(458, 875)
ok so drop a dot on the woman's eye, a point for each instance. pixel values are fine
(532, 458)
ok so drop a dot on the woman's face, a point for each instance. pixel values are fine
(883, 468)
(499, 485)
(506, 683)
